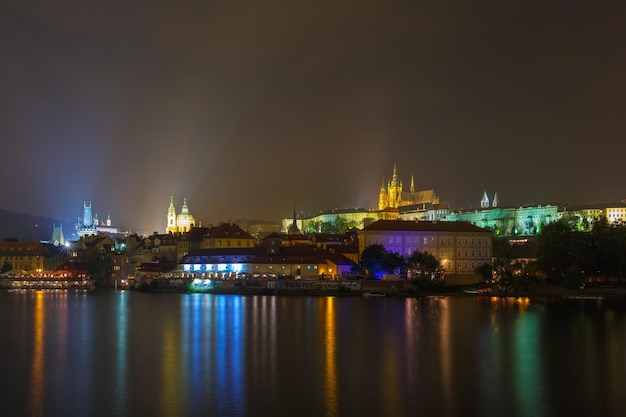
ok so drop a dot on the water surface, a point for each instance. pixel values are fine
(136, 354)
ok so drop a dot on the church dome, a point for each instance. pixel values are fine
(185, 220)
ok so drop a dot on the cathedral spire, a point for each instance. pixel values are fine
(394, 177)
(412, 185)
(293, 229)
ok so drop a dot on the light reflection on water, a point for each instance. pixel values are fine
(133, 354)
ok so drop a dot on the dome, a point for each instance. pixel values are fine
(185, 220)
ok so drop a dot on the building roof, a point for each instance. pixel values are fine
(22, 248)
(261, 255)
(228, 230)
(423, 226)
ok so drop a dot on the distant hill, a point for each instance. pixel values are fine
(26, 227)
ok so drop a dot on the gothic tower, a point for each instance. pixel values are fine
(382, 197)
(87, 217)
(394, 192)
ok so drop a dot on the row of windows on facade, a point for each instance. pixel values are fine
(444, 252)
(198, 267)
(26, 258)
(430, 241)
(18, 249)
(219, 243)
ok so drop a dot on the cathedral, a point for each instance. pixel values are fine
(393, 196)
(180, 223)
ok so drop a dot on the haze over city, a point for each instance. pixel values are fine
(249, 108)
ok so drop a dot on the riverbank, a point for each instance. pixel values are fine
(402, 289)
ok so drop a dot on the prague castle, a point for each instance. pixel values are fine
(393, 195)
(180, 223)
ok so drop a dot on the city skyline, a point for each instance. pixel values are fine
(248, 110)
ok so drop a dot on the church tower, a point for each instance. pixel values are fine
(57, 235)
(87, 218)
(171, 218)
(495, 202)
(484, 202)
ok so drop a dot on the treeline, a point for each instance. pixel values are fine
(599, 253)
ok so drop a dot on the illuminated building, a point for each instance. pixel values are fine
(23, 256)
(391, 198)
(306, 262)
(353, 218)
(89, 225)
(226, 235)
(57, 238)
(582, 217)
(180, 223)
(507, 221)
(459, 246)
(429, 212)
(393, 195)
(222, 236)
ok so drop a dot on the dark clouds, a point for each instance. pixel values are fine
(248, 108)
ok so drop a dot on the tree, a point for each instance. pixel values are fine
(6, 267)
(485, 271)
(313, 226)
(327, 227)
(98, 265)
(378, 261)
(559, 247)
(506, 275)
(393, 263)
(574, 278)
(423, 266)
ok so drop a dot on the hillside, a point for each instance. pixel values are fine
(25, 227)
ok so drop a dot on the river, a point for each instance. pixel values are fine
(107, 353)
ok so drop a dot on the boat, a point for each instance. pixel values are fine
(478, 291)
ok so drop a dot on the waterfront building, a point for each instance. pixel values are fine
(226, 235)
(304, 262)
(459, 246)
(183, 222)
(222, 236)
(19, 257)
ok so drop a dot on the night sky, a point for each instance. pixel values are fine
(250, 108)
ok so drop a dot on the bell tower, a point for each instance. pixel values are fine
(171, 218)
